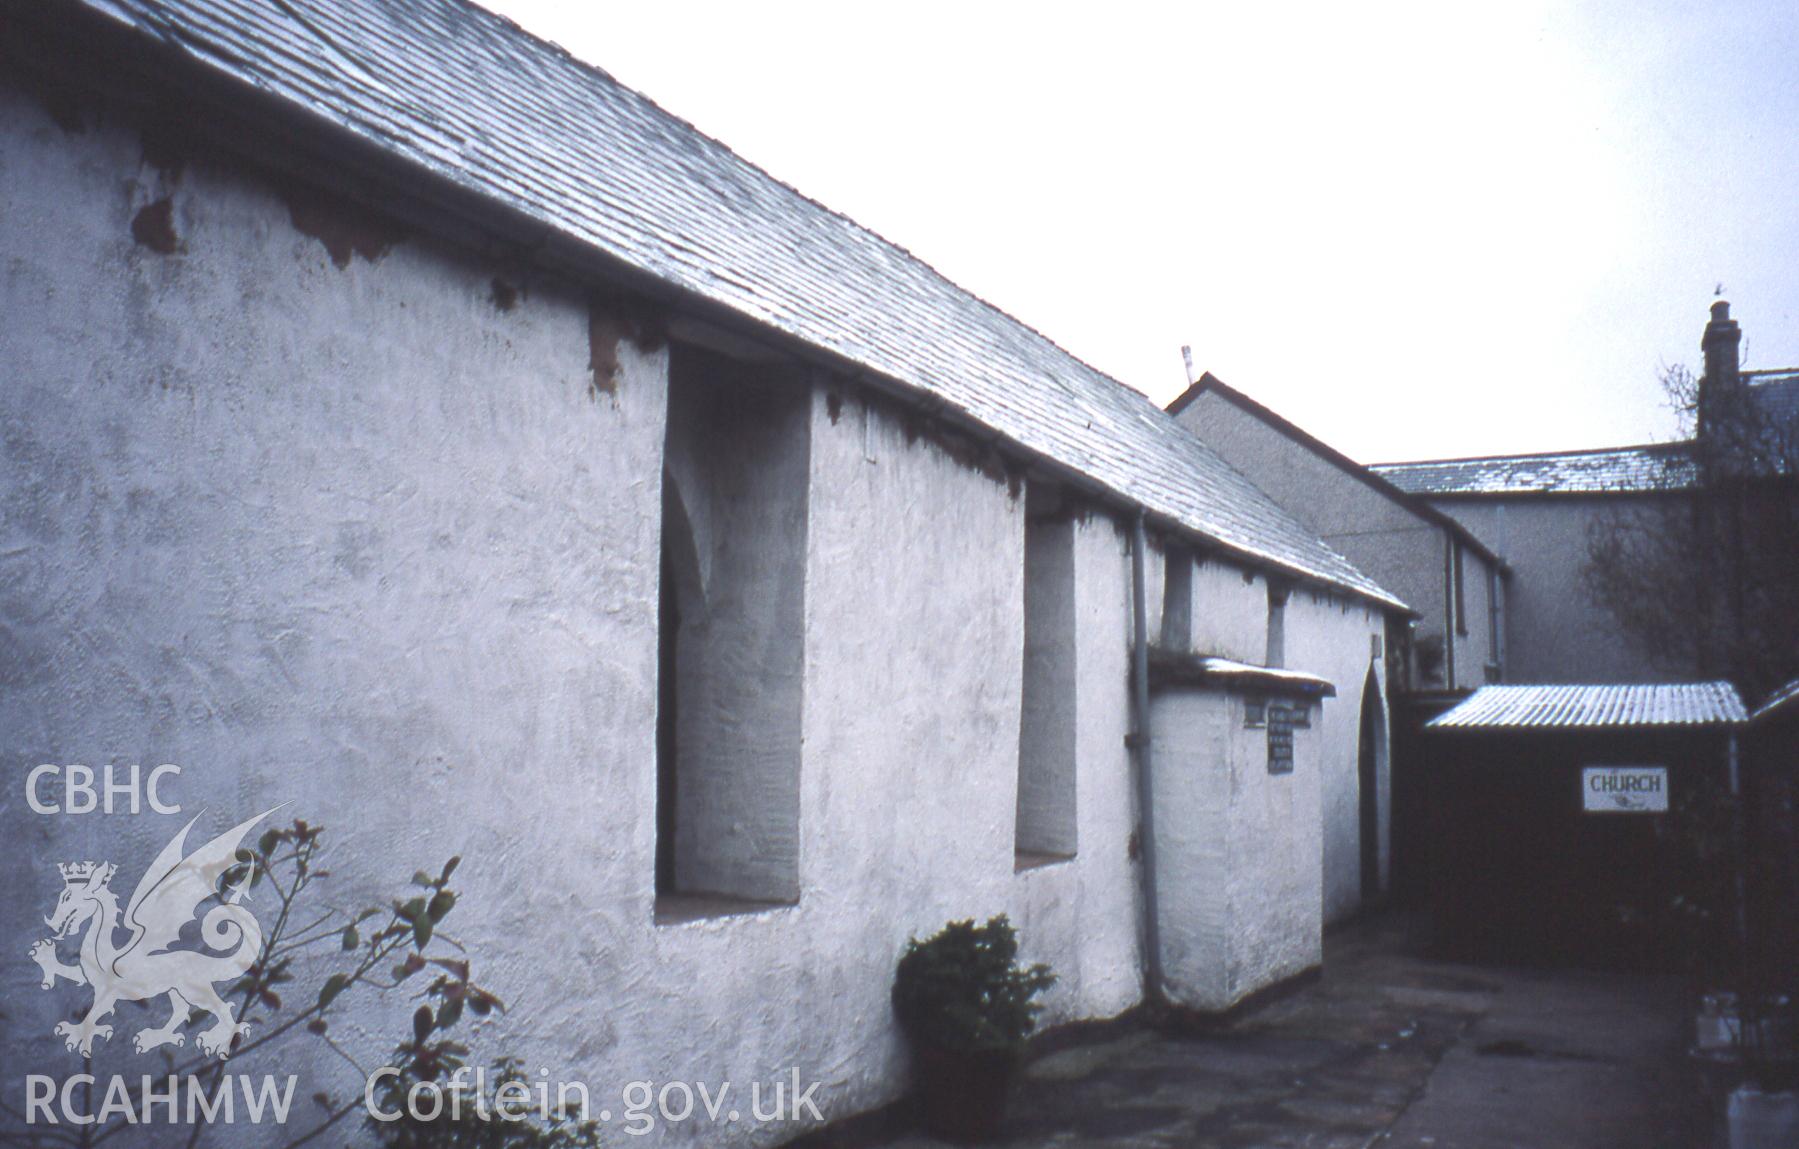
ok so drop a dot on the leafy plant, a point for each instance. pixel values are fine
(964, 989)
(379, 948)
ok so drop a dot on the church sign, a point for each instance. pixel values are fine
(1624, 789)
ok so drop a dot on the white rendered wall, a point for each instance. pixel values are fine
(1238, 862)
(1331, 637)
(1230, 612)
(362, 540)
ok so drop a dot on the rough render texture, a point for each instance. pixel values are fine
(1555, 630)
(358, 539)
(1239, 872)
(737, 455)
(1387, 541)
(1051, 713)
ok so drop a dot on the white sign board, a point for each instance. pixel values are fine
(1624, 789)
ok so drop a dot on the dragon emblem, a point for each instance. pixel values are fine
(167, 898)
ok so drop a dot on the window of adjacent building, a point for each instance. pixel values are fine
(1277, 625)
(1495, 625)
(1461, 599)
(1177, 599)
(1046, 735)
(730, 655)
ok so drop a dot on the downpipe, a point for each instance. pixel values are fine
(1139, 743)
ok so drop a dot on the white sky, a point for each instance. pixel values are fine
(1417, 230)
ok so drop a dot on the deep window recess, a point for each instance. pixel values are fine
(730, 655)
(1177, 599)
(1277, 625)
(1046, 735)
(1255, 713)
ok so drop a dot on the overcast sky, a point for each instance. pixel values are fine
(1415, 230)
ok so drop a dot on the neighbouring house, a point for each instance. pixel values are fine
(408, 424)
(1430, 559)
(1541, 513)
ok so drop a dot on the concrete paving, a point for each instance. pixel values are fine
(1387, 1049)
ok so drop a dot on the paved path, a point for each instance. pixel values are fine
(1387, 1049)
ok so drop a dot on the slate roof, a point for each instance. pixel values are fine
(1652, 467)
(1587, 707)
(1777, 394)
(469, 97)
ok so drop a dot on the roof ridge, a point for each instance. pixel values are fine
(1530, 455)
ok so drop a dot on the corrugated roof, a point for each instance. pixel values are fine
(473, 99)
(1653, 467)
(1583, 707)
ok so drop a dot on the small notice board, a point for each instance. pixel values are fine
(1624, 789)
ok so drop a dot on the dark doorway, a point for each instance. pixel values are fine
(1368, 758)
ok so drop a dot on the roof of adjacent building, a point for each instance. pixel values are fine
(1641, 469)
(468, 97)
(1782, 701)
(1651, 467)
(1210, 384)
(1577, 707)
(1776, 393)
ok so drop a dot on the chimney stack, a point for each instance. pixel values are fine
(1722, 335)
(1719, 385)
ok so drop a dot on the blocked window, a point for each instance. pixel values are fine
(1046, 736)
(1177, 599)
(731, 650)
(1277, 625)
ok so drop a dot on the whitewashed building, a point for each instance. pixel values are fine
(407, 423)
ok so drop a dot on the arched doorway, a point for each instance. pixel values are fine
(1370, 757)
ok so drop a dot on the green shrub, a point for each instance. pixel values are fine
(965, 990)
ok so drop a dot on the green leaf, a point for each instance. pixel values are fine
(352, 939)
(442, 902)
(411, 910)
(421, 931)
(421, 1023)
(333, 986)
(421, 878)
(449, 1012)
(266, 844)
(450, 867)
